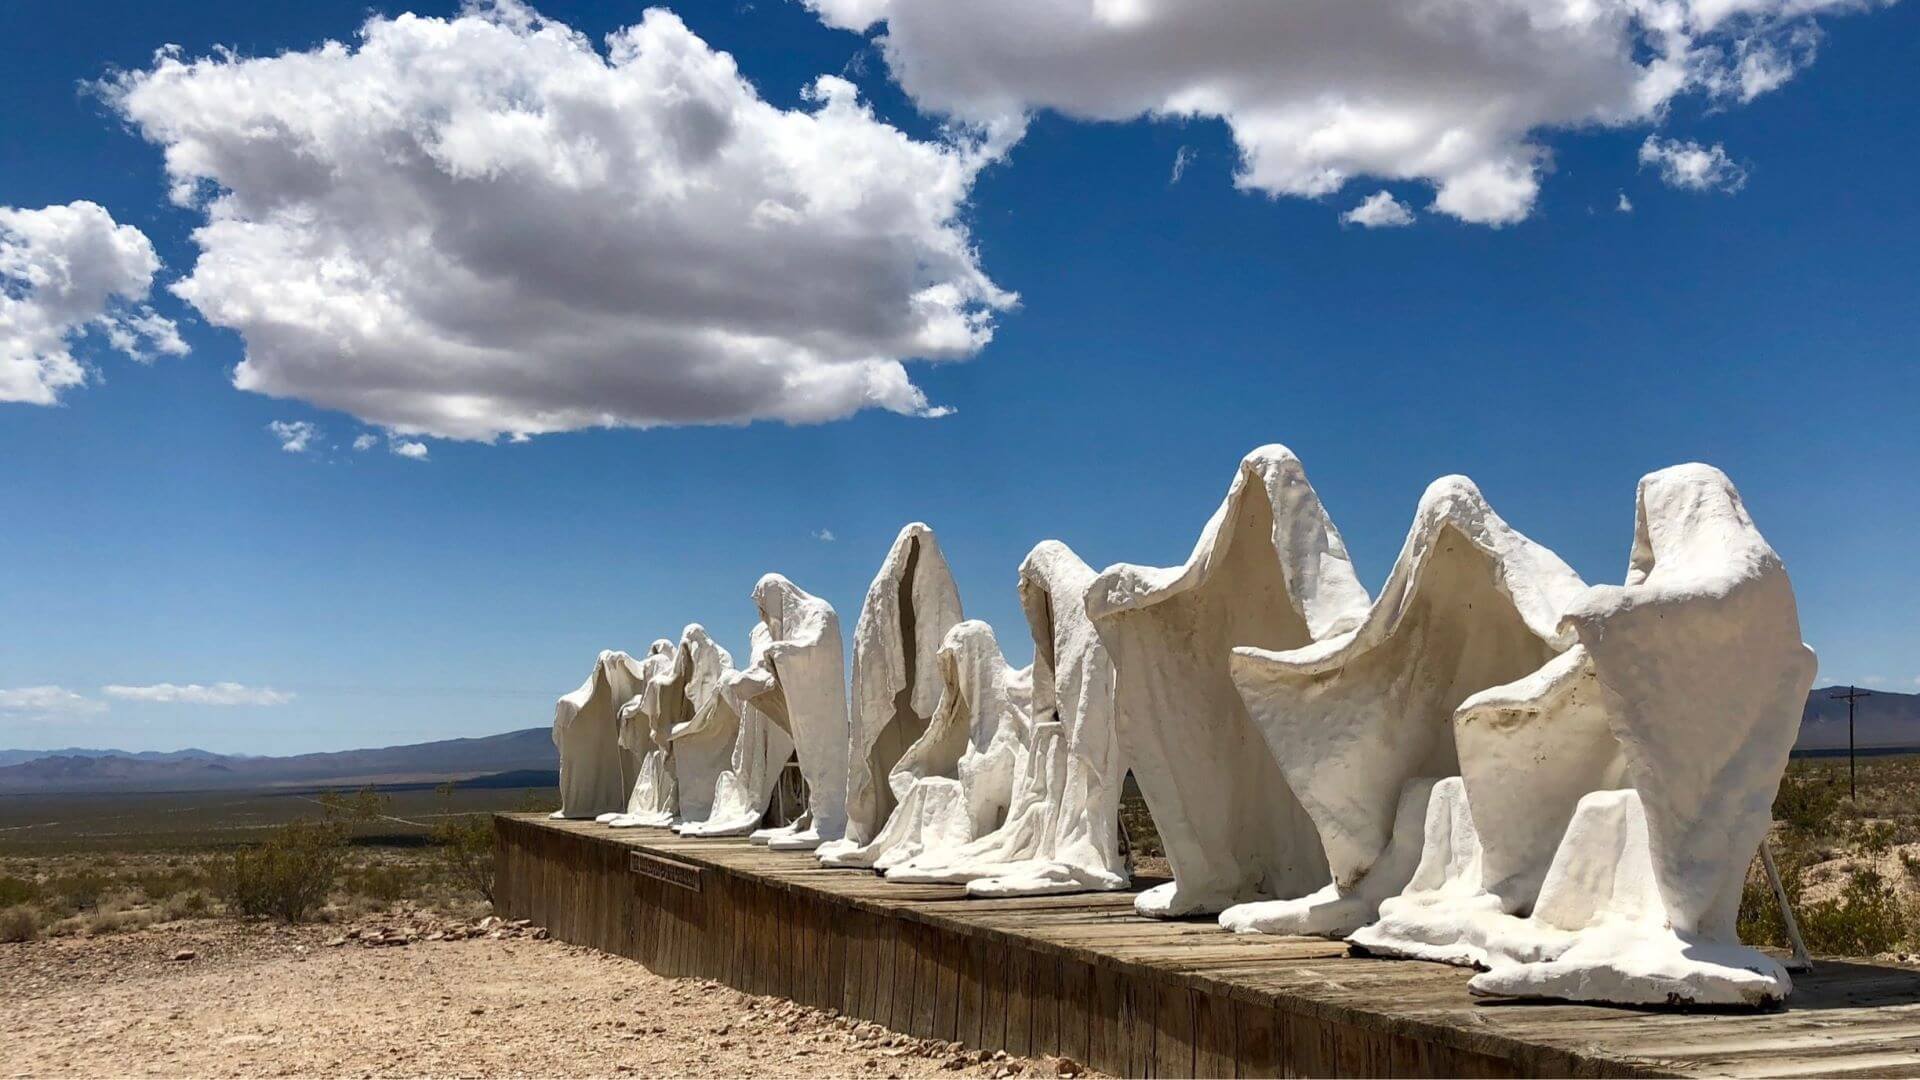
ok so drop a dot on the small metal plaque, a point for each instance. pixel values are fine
(671, 871)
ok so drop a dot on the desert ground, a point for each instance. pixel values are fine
(413, 993)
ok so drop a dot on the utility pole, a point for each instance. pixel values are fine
(1852, 695)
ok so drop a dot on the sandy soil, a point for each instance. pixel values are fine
(410, 996)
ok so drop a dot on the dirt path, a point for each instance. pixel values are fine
(265, 1001)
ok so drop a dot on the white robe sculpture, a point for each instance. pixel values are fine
(799, 683)
(1696, 670)
(909, 608)
(1269, 570)
(596, 772)
(745, 787)
(1362, 723)
(701, 734)
(956, 781)
(651, 800)
(1062, 832)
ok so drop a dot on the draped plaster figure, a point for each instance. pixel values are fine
(1269, 570)
(1362, 723)
(1676, 712)
(1062, 830)
(799, 683)
(663, 700)
(909, 608)
(956, 781)
(700, 745)
(745, 787)
(596, 772)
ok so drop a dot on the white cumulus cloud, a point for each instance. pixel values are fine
(296, 436)
(1624, 205)
(408, 448)
(1456, 93)
(366, 441)
(220, 693)
(484, 225)
(47, 703)
(66, 271)
(1379, 210)
(1687, 164)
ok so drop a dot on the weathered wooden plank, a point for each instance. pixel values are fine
(926, 979)
(1256, 1041)
(949, 948)
(971, 992)
(1076, 1008)
(993, 1024)
(1213, 1035)
(1173, 1046)
(1020, 979)
(1108, 1044)
(1137, 1022)
(1044, 1003)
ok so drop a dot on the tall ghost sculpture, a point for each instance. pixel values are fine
(909, 608)
(651, 787)
(1361, 723)
(799, 683)
(1654, 746)
(596, 772)
(1062, 830)
(760, 748)
(1269, 570)
(957, 779)
(699, 729)
(670, 697)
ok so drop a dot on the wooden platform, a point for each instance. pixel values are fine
(1085, 977)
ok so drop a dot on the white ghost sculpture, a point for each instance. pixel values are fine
(596, 772)
(956, 781)
(669, 698)
(700, 739)
(650, 798)
(1062, 830)
(745, 787)
(1362, 723)
(1684, 693)
(909, 608)
(1269, 570)
(799, 682)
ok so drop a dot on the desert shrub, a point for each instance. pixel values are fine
(384, 882)
(19, 922)
(540, 801)
(173, 880)
(1911, 863)
(1866, 918)
(113, 922)
(1874, 838)
(79, 890)
(17, 890)
(184, 905)
(1806, 804)
(463, 846)
(288, 876)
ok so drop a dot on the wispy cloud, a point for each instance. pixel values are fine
(1625, 205)
(366, 441)
(1380, 210)
(47, 703)
(296, 436)
(1181, 159)
(825, 536)
(220, 693)
(1692, 166)
(407, 448)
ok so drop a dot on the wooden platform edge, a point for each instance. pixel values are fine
(934, 967)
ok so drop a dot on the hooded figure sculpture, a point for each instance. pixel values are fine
(1269, 570)
(1062, 830)
(798, 682)
(1361, 724)
(1667, 728)
(693, 746)
(596, 773)
(670, 697)
(652, 787)
(909, 608)
(760, 749)
(956, 781)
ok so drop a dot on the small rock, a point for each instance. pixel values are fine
(336, 942)
(1066, 1066)
(184, 954)
(955, 1063)
(477, 1010)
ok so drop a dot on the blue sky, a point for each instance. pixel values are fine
(157, 533)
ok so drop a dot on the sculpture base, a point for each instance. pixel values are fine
(1082, 976)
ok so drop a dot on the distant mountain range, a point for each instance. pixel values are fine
(76, 769)
(1882, 721)
(1885, 720)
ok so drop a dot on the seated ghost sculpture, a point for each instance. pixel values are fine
(955, 782)
(700, 745)
(1361, 723)
(1061, 832)
(596, 773)
(1269, 570)
(1697, 671)
(908, 610)
(671, 696)
(799, 683)
(650, 786)
(760, 749)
